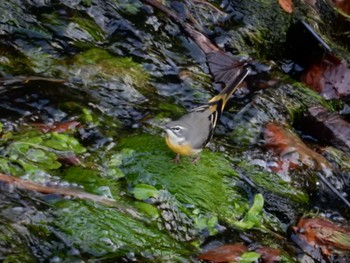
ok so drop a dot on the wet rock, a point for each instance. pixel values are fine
(328, 127)
(280, 103)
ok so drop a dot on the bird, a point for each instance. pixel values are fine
(193, 131)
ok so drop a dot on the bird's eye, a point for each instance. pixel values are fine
(176, 128)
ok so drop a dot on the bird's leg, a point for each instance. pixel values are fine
(196, 159)
(177, 159)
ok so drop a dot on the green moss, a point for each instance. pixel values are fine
(109, 234)
(33, 154)
(255, 36)
(91, 27)
(92, 181)
(190, 183)
(14, 62)
(273, 183)
(167, 109)
(109, 66)
(14, 248)
(298, 99)
(283, 103)
(129, 7)
(249, 257)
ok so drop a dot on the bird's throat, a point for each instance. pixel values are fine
(183, 149)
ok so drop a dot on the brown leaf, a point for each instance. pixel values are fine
(57, 127)
(286, 5)
(343, 5)
(225, 253)
(292, 151)
(269, 255)
(321, 234)
(314, 78)
(201, 40)
(330, 78)
(70, 160)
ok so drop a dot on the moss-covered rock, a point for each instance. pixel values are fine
(282, 103)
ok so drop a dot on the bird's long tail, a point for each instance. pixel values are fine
(220, 100)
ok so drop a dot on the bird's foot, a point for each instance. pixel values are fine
(196, 159)
(177, 159)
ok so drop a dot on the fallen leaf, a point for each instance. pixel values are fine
(70, 160)
(343, 5)
(269, 255)
(314, 78)
(292, 151)
(57, 127)
(322, 236)
(293, 154)
(225, 253)
(286, 5)
(330, 78)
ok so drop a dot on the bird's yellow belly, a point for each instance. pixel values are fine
(180, 149)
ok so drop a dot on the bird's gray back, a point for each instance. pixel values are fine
(199, 127)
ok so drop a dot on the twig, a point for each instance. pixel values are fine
(202, 41)
(31, 186)
(210, 6)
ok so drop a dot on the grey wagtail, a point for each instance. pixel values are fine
(192, 132)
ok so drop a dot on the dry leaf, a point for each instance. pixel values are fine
(321, 236)
(269, 255)
(343, 5)
(223, 254)
(286, 5)
(330, 78)
(292, 151)
(57, 127)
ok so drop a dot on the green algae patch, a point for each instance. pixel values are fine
(192, 199)
(35, 154)
(253, 217)
(90, 26)
(92, 181)
(108, 234)
(107, 66)
(15, 251)
(208, 186)
(273, 183)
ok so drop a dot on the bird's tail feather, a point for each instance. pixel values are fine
(221, 99)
